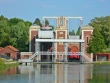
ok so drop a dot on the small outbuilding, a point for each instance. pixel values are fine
(10, 52)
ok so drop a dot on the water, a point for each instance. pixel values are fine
(57, 73)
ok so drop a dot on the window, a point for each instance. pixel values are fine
(87, 40)
(8, 54)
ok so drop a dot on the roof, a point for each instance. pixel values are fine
(13, 48)
(1, 48)
(34, 27)
(87, 27)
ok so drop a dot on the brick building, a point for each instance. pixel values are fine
(59, 33)
(10, 52)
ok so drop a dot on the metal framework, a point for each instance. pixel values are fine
(59, 40)
(67, 20)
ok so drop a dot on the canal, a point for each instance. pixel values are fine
(57, 73)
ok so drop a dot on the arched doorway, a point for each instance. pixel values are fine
(73, 57)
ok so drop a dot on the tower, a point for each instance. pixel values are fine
(61, 33)
(86, 36)
(33, 34)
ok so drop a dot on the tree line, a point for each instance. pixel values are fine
(100, 39)
(15, 32)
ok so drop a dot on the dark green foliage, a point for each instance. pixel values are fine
(103, 24)
(96, 44)
(78, 31)
(37, 21)
(14, 32)
(72, 32)
(46, 22)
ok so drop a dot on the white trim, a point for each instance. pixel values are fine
(61, 30)
(87, 30)
(59, 40)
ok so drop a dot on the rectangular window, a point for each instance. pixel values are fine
(87, 40)
(8, 54)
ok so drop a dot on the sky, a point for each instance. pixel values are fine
(28, 10)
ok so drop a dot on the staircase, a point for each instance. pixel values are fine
(87, 58)
(31, 57)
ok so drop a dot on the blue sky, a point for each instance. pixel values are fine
(31, 9)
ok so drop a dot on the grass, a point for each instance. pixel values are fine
(4, 66)
(102, 62)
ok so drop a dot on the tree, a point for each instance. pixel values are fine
(27, 23)
(103, 24)
(46, 22)
(37, 21)
(4, 33)
(96, 44)
(14, 32)
(14, 21)
(72, 32)
(78, 31)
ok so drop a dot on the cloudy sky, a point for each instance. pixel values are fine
(31, 9)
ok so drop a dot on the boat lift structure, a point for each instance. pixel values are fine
(54, 41)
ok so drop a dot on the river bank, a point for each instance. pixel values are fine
(6, 64)
(102, 62)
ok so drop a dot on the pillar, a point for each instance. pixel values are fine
(66, 51)
(53, 51)
(37, 49)
(82, 52)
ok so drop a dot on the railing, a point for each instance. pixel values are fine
(60, 53)
(31, 57)
(89, 59)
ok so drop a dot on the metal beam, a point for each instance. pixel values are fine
(59, 40)
(74, 18)
(49, 17)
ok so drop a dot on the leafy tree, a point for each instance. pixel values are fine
(46, 22)
(103, 24)
(96, 44)
(72, 32)
(14, 32)
(78, 31)
(14, 21)
(37, 21)
(4, 33)
(27, 23)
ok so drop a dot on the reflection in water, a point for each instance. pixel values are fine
(48, 73)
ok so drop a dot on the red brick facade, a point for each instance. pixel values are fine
(86, 37)
(60, 45)
(11, 52)
(34, 34)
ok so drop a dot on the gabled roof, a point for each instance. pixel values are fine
(1, 48)
(87, 27)
(12, 48)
